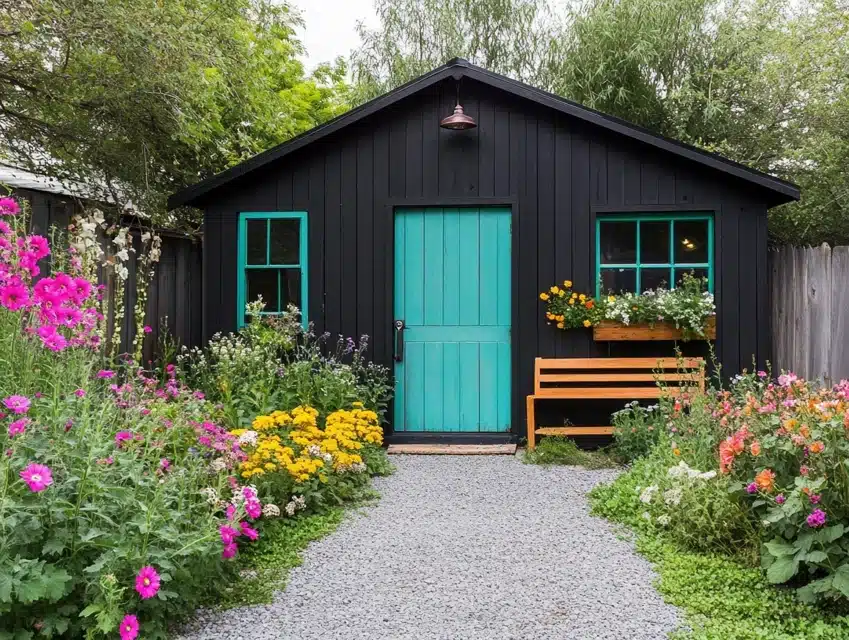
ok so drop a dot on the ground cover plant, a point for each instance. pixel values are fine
(125, 493)
(740, 497)
(561, 450)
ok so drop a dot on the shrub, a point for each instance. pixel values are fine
(563, 451)
(274, 363)
(636, 430)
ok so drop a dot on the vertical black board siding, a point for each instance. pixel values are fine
(748, 308)
(364, 254)
(582, 253)
(348, 258)
(764, 322)
(562, 235)
(333, 241)
(316, 216)
(555, 172)
(546, 236)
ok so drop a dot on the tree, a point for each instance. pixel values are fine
(138, 98)
(764, 82)
(506, 36)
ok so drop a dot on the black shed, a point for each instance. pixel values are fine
(381, 215)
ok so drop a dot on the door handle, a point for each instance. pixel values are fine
(399, 340)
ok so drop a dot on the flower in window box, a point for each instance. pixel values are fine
(571, 300)
(543, 296)
(587, 323)
(555, 289)
(567, 284)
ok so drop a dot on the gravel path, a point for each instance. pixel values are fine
(464, 547)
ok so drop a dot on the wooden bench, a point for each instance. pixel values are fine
(608, 378)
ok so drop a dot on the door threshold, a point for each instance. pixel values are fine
(452, 449)
(450, 437)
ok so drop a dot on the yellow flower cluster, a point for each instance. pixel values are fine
(344, 434)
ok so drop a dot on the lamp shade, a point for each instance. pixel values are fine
(458, 120)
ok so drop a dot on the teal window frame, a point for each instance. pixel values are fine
(638, 266)
(244, 267)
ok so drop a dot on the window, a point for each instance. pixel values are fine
(640, 252)
(272, 262)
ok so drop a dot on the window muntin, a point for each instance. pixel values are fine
(640, 252)
(272, 262)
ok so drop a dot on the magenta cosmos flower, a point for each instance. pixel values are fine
(37, 476)
(147, 582)
(229, 550)
(129, 627)
(122, 436)
(9, 207)
(105, 374)
(17, 404)
(14, 296)
(816, 519)
(228, 534)
(18, 427)
(249, 532)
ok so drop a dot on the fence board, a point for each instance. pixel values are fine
(810, 311)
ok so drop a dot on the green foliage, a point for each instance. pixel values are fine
(273, 363)
(136, 99)
(722, 596)
(563, 451)
(760, 81)
(265, 567)
(635, 431)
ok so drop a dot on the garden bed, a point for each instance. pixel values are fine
(610, 330)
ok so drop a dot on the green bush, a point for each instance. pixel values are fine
(636, 430)
(563, 451)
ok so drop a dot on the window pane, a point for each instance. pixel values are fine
(257, 241)
(699, 273)
(263, 282)
(654, 243)
(618, 280)
(691, 241)
(285, 241)
(654, 278)
(618, 242)
(290, 288)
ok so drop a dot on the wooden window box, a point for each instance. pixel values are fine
(609, 330)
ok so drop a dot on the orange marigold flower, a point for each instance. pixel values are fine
(765, 480)
(676, 452)
(589, 304)
(816, 447)
(755, 448)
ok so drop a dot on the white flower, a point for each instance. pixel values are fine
(218, 465)
(673, 496)
(300, 502)
(270, 510)
(707, 475)
(314, 450)
(646, 515)
(249, 438)
(290, 508)
(210, 494)
(327, 457)
(663, 520)
(646, 495)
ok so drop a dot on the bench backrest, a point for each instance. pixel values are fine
(618, 378)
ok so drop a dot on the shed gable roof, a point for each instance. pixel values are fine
(782, 190)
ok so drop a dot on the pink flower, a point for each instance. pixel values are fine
(231, 512)
(105, 374)
(14, 296)
(122, 436)
(37, 476)
(780, 499)
(229, 550)
(786, 379)
(80, 393)
(249, 532)
(147, 329)
(9, 207)
(147, 582)
(253, 508)
(752, 488)
(18, 427)
(5, 229)
(199, 395)
(816, 519)
(81, 290)
(39, 246)
(761, 374)
(129, 627)
(17, 404)
(228, 534)
(815, 498)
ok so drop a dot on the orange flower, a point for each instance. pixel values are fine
(765, 480)
(676, 452)
(755, 448)
(805, 431)
(589, 304)
(817, 447)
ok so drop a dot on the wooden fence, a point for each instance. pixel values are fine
(174, 297)
(810, 311)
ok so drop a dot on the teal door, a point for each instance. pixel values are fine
(452, 291)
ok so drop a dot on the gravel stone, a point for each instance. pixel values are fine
(464, 547)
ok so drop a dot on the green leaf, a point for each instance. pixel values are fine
(91, 610)
(5, 587)
(782, 570)
(53, 547)
(840, 579)
(833, 533)
(778, 548)
(816, 556)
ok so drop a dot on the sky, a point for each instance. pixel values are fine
(331, 27)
